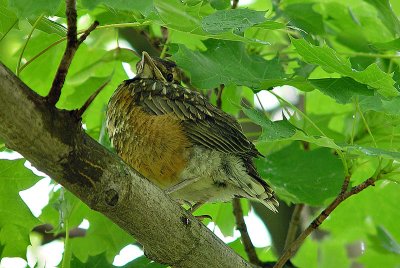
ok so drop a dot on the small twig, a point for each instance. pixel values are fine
(345, 185)
(72, 45)
(294, 225)
(288, 253)
(119, 25)
(241, 226)
(219, 96)
(81, 110)
(87, 32)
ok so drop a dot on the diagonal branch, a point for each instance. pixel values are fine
(89, 101)
(288, 253)
(72, 46)
(244, 235)
(54, 142)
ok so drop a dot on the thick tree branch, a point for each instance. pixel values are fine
(54, 142)
(244, 235)
(288, 253)
(72, 45)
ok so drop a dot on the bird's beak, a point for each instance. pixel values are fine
(148, 68)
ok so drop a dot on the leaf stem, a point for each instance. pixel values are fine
(26, 43)
(368, 55)
(365, 123)
(67, 246)
(120, 25)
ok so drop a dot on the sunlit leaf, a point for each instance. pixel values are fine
(235, 20)
(16, 220)
(387, 15)
(144, 6)
(27, 8)
(328, 59)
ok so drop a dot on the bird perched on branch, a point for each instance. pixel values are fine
(179, 141)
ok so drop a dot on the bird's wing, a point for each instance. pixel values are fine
(204, 124)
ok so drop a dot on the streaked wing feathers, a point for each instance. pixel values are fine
(204, 123)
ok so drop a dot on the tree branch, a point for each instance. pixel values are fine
(48, 236)
(219, 96)
(72, 45)
(235, 4)
(293, 225)
(89, 101)
(288, 253)
(54, 142)
(244, 235)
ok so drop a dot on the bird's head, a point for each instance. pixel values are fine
(163, 70)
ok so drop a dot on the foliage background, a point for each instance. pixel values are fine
(342, 57)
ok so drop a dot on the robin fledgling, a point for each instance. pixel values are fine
(179, 141)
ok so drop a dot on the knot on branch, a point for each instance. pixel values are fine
(111, 197)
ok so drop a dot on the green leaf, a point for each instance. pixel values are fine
(236, 20)
(51, 27)
(300, 176)
(222, 216)
(308, 254)
(317, 140)
(375, 103)
(27, 8)
(143, 6)
(385, 46)
(369, 151)
(102, 237)
(226, 62)
(220, 4)
(181, 16)
(359, 215)
(99, 260)
(276, 130)
(386, 14)
(144, 262)
(384, 241)
(16, 221)
(283, 130)
(303, 16)
(269, 25)
(330, 61)
(7, 18)
(341, 89)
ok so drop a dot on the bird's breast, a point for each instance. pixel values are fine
(155, 145)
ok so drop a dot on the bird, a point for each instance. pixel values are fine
(178, 140)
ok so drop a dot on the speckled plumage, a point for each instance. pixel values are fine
(173, 135)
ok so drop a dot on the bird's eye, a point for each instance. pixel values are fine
(170, 77)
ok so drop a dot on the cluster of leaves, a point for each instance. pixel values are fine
(340, 55)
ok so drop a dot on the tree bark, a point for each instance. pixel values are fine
(54, 142)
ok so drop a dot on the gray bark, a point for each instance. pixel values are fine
(54, 142)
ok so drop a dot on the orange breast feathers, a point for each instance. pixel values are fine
(155, 145)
